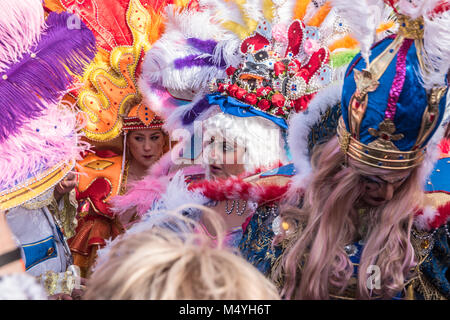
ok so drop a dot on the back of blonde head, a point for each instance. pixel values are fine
(160, 264)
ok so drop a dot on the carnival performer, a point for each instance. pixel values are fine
(126, 134)
(39, 137)
(353, 236)
(268, 68)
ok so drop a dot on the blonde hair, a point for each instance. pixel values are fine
(330, 215)
(177, 263)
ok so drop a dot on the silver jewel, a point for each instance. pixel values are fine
(351, 250)
(276, 225)
(240, 213)
(296, 87)
(229, 211)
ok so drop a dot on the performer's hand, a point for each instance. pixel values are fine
(65, 186)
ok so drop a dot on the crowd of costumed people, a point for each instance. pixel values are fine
(224, 150)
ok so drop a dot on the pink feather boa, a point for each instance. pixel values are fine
(142, 194)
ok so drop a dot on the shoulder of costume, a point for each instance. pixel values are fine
(99, 179)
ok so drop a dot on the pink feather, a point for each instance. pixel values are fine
(21, 23)
(39, 145)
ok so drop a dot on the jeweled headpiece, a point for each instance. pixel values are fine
(110, 81)
(281, 70)
(269, 64)
(392, 105)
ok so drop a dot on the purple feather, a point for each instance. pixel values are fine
(195, 111)
(206, 46)
(193, 61)
(36, 81)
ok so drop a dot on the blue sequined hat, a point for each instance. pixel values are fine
(388, 114)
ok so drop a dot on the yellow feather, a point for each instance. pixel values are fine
(268, 10)
(242, 31)
(181, 3)
(54, 5)
(385, 26)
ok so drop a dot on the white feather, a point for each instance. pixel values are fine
(299, 127)
(437, 49)
(363, 17)
(284, 10)
(422, 222)
(417, 8)
(21, 24)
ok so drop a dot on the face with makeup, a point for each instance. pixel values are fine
(223, 158)
(381, 189)
(146, 146)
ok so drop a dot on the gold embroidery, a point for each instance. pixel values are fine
(431, 115)
(99, 164)
(365, 83)
(376, 156)
(410, 29)
(385, 136)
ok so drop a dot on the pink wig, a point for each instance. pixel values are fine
(328, 222)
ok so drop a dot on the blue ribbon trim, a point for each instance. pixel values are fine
(237, 108)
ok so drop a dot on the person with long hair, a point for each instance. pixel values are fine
(348, 205)
(355, 234)
(125, 135)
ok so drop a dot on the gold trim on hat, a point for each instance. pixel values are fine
(375, 156)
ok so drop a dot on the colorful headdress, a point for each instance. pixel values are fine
(124, 31)
(38, 137)
(270, 64)
(394, 93)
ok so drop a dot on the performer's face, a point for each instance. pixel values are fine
(223, 158)
(381, 189)
(146, 146)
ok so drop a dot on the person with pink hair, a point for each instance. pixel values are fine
(357, 234)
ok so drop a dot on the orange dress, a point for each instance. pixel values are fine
(99, 180)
